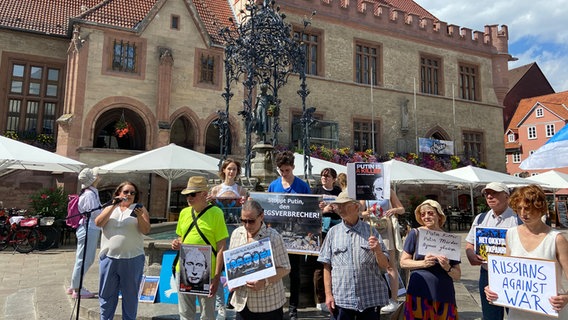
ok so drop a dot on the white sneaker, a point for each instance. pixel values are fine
(390, 308)
(322, 307)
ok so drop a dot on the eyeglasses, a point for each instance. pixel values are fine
(193, 194)
(249, 221)
(427, 213)
(128, 192)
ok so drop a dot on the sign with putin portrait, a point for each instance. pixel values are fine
(250, 262)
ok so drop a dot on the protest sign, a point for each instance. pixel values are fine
(490, 241)
(297, 217)
(523, 283)
(368, 181)
(250, 262)
(148, 289)
(439, 243)
(195, 269)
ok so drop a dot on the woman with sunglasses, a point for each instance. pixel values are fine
(122, 251)
(430, 293)
(260, 299)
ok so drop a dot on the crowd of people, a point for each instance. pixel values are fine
(356, 273)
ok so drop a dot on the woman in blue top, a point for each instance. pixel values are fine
(288, 183)
(430, 293)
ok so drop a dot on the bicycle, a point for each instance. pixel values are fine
(20, 233)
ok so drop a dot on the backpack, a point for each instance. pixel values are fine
(482, 216)
(74, 216)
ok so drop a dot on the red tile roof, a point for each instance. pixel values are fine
(42, 16)
(556, 102)
(410, 7)
(52, 17)
(120, 13)
(214, 15)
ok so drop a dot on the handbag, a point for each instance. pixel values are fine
(193, 224)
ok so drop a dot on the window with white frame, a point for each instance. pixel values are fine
(550, 131)
(539, 112)
(516, 157)
(506, 159)
(511, 137)
(531, 132)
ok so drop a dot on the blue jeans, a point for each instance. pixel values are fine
(490, 311)
(124, 275)
(90, 252)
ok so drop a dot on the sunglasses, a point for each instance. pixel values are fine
(193, 194)
(248, 221)
(132, 193)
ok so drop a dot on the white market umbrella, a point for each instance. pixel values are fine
(553, 180)
(18, 155)
(406, 173)
(551, 155)
(480, 177)
(317, 165)
(169, 162)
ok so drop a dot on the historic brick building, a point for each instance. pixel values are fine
(74, 69)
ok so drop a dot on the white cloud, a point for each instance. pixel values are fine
(537, 30)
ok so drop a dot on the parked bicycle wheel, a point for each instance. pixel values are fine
(47, 237)
(25, 240)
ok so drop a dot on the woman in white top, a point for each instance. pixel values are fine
(228, 196)
(230, 170)
(122, 251)
(535, 239)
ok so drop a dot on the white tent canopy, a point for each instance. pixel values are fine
(402, 172)
(169, 162)
(552, 180)
(480, 177)
(22, 156)
(317, 165)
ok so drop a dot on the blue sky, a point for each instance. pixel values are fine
(538, 30)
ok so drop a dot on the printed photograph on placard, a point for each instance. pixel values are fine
(368, 181)
(490, 241)
(297, 217)
(195, 269)
(252, 261)
(148, 289)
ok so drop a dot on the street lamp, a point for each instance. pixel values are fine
(261, 50)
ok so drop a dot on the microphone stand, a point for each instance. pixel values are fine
(88, 217)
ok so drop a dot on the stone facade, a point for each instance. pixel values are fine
(167, 100)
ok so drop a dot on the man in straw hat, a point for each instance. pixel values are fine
(353, 255)
(209, 229)
(500, 216)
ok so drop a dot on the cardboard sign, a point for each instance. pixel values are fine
(439, 243)
(296, 217)
(167, 291)
(490, 241)
(250, 262)
(523, 283)
(195, 269)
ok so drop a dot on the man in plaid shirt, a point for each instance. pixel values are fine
(353, 255)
